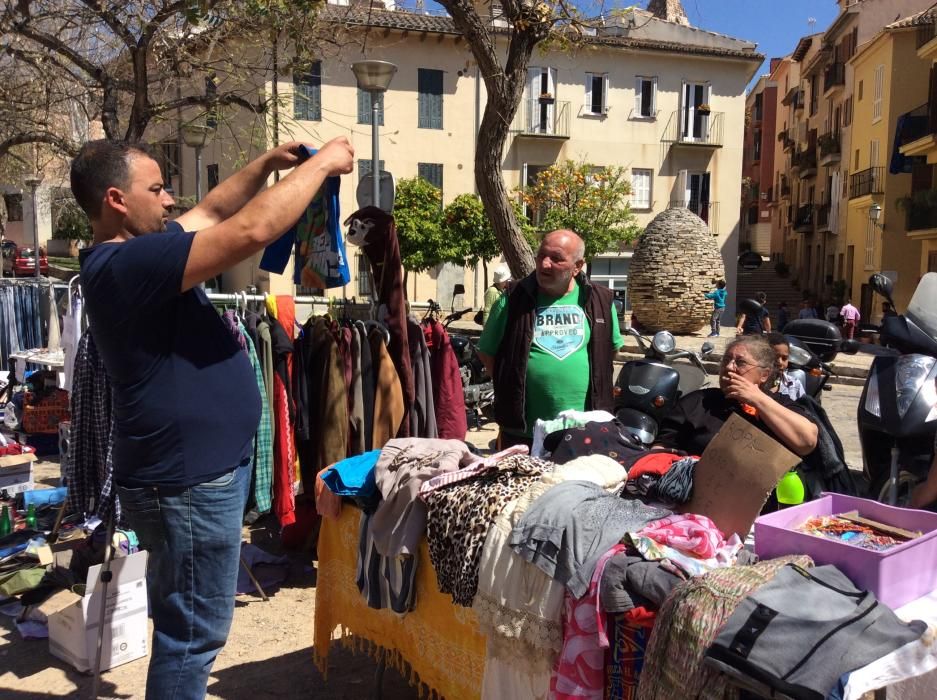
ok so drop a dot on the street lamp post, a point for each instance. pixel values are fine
(32, 182)
(196, 136)
(374, 78)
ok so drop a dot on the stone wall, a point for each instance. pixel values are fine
(676, 261)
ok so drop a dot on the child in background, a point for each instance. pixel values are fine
(718, 296)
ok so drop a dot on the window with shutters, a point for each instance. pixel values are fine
(596, 93)
(364, 276)
(878, 89)
(645, 97)
(756, 146)
(171, 157)
(364, 166)
(432, 173)
(847, 111)
(307, 93)
(870, 245)
(429, 85)
(364, 107)
(641, 188)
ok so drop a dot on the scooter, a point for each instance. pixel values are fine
(647, 390)
(897, 412)
(804, 362)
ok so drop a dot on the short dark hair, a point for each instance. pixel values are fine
(761, 297)
(99, 165)
(775, 338)
(721, 284)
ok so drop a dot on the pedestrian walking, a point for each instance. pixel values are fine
(851, 317)
(718, 296)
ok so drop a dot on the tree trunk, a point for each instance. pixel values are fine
(491, 139)
(140, 110)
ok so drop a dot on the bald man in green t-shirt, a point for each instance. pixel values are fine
(549, 343)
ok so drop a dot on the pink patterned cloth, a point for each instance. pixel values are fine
(580, 668)
(688, 532)
(470, 470)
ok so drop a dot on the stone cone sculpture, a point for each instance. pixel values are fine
(676, 261)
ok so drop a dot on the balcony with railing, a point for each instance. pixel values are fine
(694, 128)
(803, 218)
(925, 34)
(834, 76)
(707, 211)
(917, 135)
(804, 163)
(829, 145)
(867, 182)
(541, 118)
(785, 188)
(824, 220)
(921, 216)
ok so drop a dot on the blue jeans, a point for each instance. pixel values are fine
(193, 536)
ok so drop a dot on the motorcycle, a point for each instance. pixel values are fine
(897, 412)
(647, 390)
(477, 387)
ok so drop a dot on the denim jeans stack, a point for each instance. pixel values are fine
(193, 536)
(20, 319)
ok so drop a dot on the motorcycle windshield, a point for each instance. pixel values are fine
(922, 310)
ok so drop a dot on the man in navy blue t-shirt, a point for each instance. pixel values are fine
(186, 404)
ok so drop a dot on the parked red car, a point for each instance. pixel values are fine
(20, 261)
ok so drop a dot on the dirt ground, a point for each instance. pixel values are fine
(268, 654)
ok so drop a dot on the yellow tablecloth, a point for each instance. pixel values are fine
(438, 644)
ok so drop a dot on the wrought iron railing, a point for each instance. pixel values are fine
(829, 144)
(834, 74)
(925, 33)
(694, 128)
(921, 216)
(803, 219)
(538, 117)
(915, 124)
(868, 181)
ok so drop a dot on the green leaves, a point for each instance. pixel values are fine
(592, 201)
(418, 214)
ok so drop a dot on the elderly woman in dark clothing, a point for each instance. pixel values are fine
(745, 379)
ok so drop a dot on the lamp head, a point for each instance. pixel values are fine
(373, 76)
(196, 135)
(875, 212)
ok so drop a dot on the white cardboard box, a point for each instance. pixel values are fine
(16, 473)
(73, 619)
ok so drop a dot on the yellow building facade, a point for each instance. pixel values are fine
(889, 82)
(665, 101)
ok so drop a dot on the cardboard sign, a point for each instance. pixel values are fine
(735, 475)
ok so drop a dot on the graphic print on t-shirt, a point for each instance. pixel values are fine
(560, 330)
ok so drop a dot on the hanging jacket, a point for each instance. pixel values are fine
(423, 411)
(510, 370)
(382, 249)
(368, 382)
(388, 395)
(448, 396)
(88, 468)
(284, 448)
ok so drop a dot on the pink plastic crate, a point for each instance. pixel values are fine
(898, 576)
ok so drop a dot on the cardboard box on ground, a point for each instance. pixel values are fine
(16, 473)
(74, 619)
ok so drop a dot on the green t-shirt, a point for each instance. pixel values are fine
(558, 364)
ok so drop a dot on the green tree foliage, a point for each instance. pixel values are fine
(591, 201)
(465, 220)
(423, 241)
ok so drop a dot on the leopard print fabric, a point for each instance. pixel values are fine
(460, 515)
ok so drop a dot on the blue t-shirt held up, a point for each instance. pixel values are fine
(186, 402)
